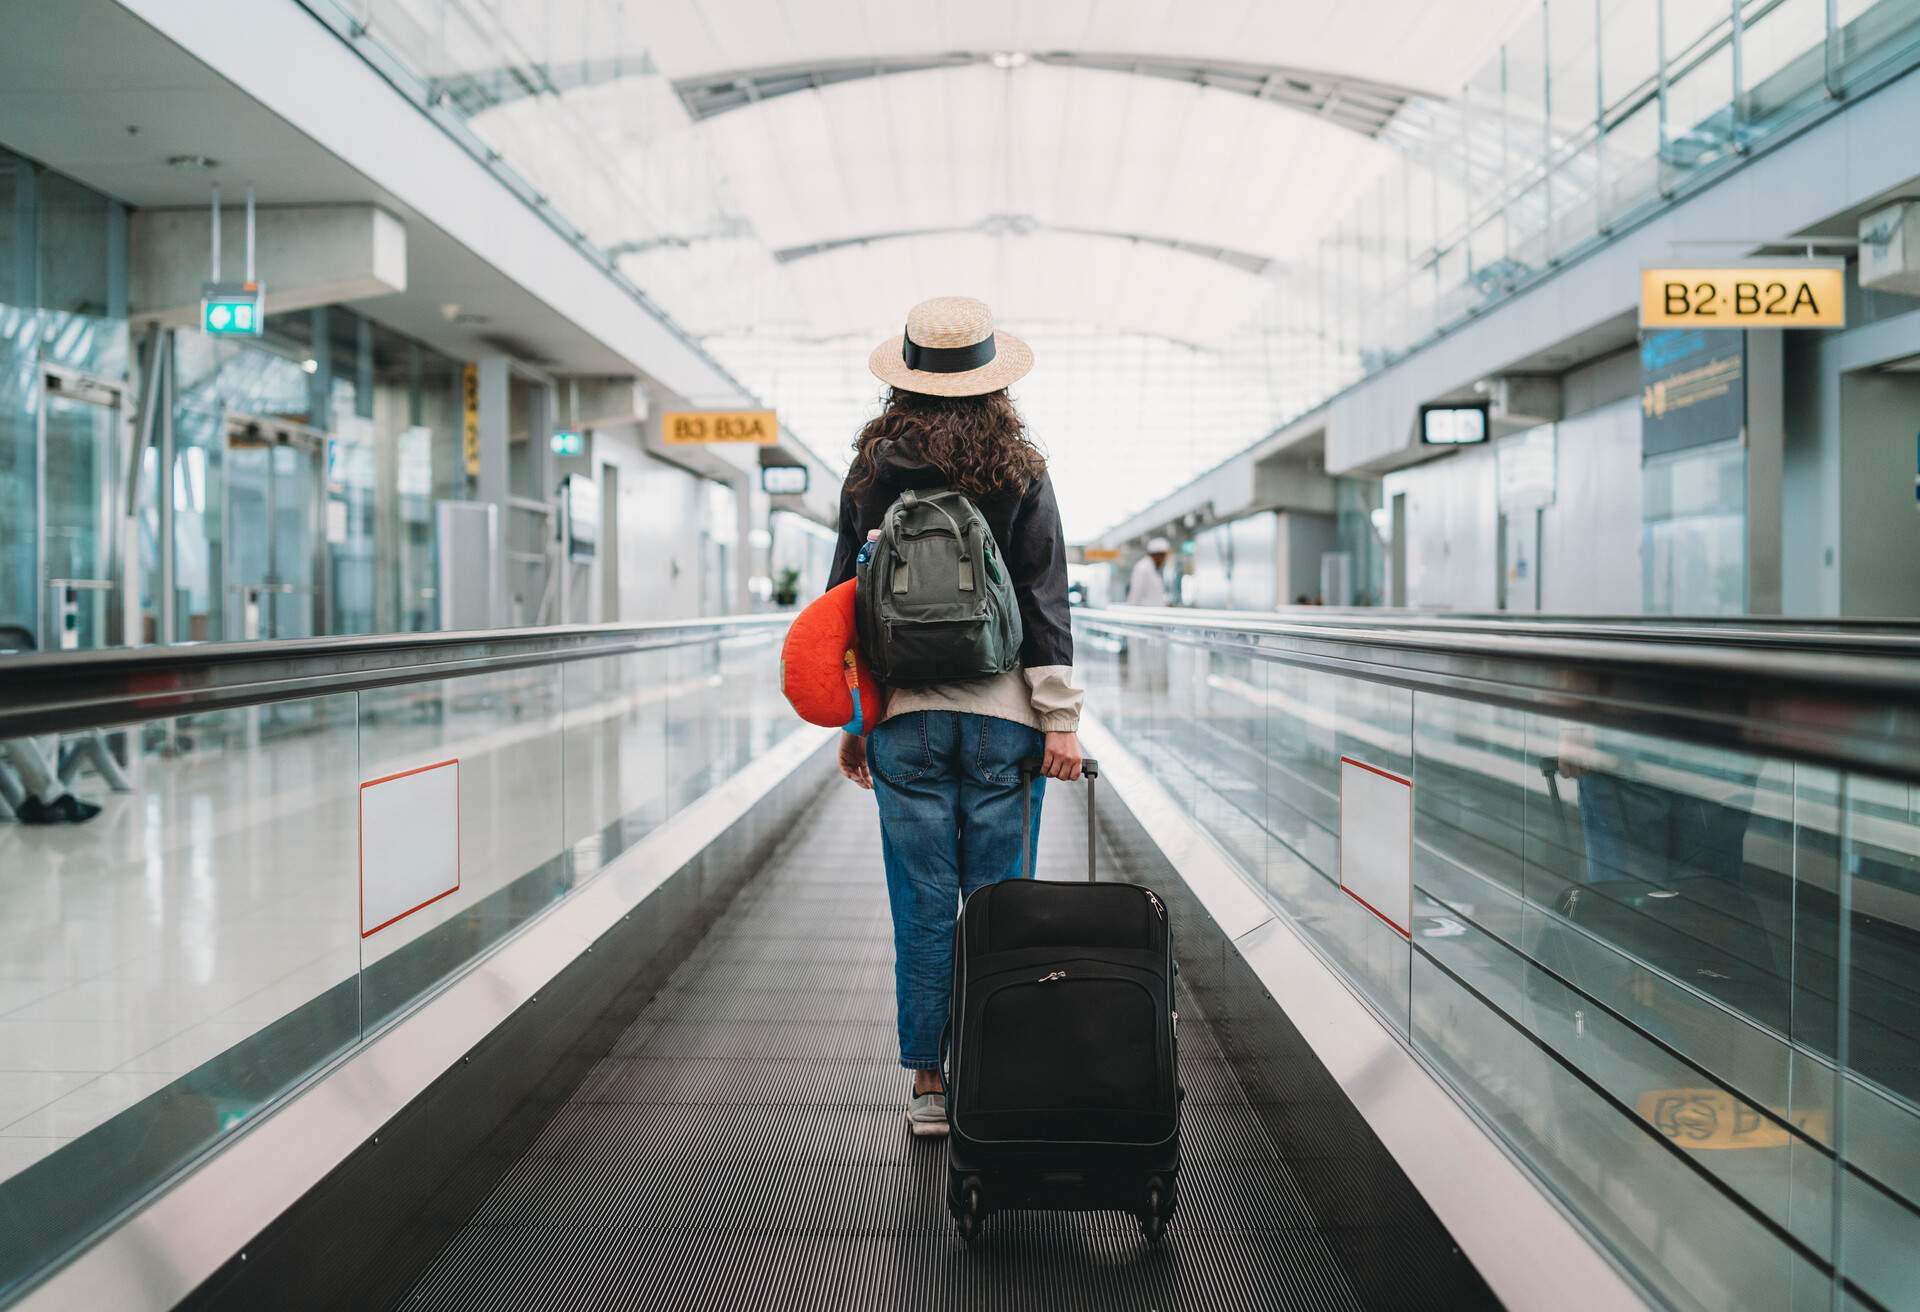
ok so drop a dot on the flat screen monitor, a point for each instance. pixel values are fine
(1453, 425)
(783, 480)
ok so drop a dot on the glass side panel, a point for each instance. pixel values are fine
(1879, 1120)
(617, 757)
(264, 888)
(1314, 722)
(1676, 1226)
(173, 965)
(1679, 981)
(500, 738)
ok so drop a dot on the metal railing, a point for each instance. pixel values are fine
(1838, 697)
(57, 692)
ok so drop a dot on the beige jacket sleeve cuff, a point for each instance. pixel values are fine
(1056, 698)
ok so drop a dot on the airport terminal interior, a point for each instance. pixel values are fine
(1486, 443)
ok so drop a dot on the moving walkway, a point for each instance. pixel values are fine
(641, 1055)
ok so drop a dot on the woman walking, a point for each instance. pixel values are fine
(945, 761)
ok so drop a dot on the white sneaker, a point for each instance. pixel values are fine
(927, 1114)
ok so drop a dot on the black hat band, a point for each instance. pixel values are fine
(946, 359)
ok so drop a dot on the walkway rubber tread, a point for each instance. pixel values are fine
(745, 1145)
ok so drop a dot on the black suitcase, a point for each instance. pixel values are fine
(1062, 1074)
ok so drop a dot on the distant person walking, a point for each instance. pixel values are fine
(1148, 587)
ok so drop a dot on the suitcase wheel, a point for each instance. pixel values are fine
(1153, 1218)
(969, 1210)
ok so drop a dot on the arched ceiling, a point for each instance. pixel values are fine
(1071, 147)
(787, 178)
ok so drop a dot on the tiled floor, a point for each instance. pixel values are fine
(224, 892)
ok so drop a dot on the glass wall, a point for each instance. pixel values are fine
(719, 549)
(1592, 114)
(1677, 980)
(63, 303)
(333, 534)
(227, 497)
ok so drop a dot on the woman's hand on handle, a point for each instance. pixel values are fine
(1062, 758)
(853, 760)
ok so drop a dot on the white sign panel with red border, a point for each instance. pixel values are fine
(409, 843)
(1376, 841)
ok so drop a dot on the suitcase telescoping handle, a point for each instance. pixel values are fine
(1089, 768)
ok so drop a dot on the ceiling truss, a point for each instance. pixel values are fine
(1021, 225)
(1357, 104)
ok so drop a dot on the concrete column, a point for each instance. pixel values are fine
(392, 414)
(541, 409)
(320, 415)
(750, 513)
(493, 482)
(1765, 380)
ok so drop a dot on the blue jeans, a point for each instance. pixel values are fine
(949, 790)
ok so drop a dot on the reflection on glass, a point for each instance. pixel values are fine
(617, 758)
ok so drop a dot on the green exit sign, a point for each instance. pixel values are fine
(569, 444)
(233, 310)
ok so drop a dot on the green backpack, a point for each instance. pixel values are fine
(934, 603)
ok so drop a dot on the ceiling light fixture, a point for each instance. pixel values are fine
(311, 365)
(1009, 58)
(192, 163)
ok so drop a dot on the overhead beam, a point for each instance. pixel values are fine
(709, 94)
(1021, 225)
(1359, 104)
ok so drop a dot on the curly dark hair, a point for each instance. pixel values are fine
(979, 442)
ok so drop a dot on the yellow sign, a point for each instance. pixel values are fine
(1811, 295)
(470, 418)
(1704, 1119)
(1101, 555)
(697, 427)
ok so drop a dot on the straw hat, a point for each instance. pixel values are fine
(951, 349)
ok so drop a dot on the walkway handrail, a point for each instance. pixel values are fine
(1797, 633)
(65, 691)
(1850, 700)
